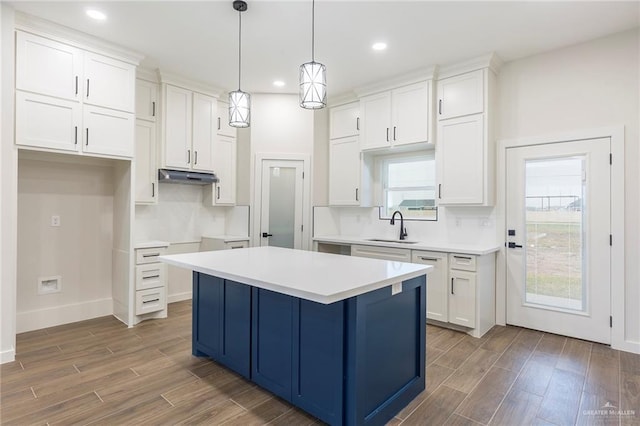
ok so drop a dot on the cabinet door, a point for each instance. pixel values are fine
(223, 120)
(146, 169)
(462, 298)
(235, 344)
(460, 160)
(410, 107)
(109, 83)
(375, 111)
(47, 67)
(46, 122)
(344, 172)
(461, 95)
(437, 285)
(146, 100)
(108, 132)
(224, 166)
(205, 119)
(177, 127)
(344, 121)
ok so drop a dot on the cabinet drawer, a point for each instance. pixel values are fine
(463, 262)
(151, 300)
(149, 255)
(236, 244)
(150, 276)
(384, 253)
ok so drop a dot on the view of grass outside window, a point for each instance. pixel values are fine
(554, 226)
(409, 185)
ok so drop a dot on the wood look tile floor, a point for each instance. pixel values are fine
(100, 372)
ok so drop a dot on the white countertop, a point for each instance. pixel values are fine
(227, 238)
(319, 277)
(150, 244)
(477, 249)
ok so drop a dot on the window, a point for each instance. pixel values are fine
(408, 184)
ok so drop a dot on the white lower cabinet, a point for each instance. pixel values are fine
(151, 282)
(462, 298)
(222, 243)
(384, 253)
(437, 288)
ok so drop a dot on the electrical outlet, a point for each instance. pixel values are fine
(55, 220)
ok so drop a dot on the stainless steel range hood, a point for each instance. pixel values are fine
(181, 176)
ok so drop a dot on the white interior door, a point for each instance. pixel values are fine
(558, 237)
(282, 200)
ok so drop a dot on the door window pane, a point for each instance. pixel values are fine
(555, 211)
(282, 203)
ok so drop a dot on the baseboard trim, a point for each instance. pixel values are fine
(8, 356)
(179, 297)
(58, 315)
(627, 346)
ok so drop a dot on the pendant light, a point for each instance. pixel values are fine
(239, 101)
(313, 79)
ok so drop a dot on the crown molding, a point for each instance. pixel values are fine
(411, 77)
(147, 74)
(490, 60)
(66, 35)
(342, 99)
(187, 83)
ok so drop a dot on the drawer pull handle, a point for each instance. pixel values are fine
(452, 285)
(151, 301)
(432, 259)
(236, 247)
(150, 276)
(153, 109)
(151, 255)
(462, 257)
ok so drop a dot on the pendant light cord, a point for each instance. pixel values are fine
(313, 30)
(239, 47)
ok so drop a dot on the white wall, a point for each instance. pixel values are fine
(586, 86)
(8, 189)
(79, 250)
(280, 127)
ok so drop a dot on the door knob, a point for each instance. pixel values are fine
(265, 235)
(511, 245)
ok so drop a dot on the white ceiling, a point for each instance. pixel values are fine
(199, 39)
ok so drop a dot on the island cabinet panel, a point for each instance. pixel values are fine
(385, 357)
(222, 322)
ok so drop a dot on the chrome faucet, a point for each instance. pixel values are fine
(403, 230)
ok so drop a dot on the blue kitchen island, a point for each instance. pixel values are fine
(342, 338)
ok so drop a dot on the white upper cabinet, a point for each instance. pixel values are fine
(224, 166)
(109, 83)
(465, 149)
(223, 120)
(47, 67)
(190, 128)
(108, 132)
(461, 95)
(345, 121)
(146, 100)
(64, 93)
(177, 127)
(397, 117)
(344, 172)
(146, 170)
(460, 159)
(205, 122)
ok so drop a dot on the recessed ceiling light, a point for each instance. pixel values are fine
(96, 14)
(278, 83)
(379, 46)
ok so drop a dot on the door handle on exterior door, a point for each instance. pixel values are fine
(265, 235)
(513, 245)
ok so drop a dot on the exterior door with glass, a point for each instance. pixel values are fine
(282, 200)
(558, 238)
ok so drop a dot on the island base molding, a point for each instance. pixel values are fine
(354, 362)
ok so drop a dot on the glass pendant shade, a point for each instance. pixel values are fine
(313, 85)
(239, 109)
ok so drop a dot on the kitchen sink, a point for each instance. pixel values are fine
(382, 240)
